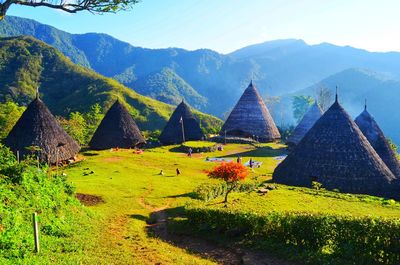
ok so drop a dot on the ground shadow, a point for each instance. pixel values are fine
(184, 195)
(176, 149)
(87, 153)
(139, 217)
(171, 226)
(265, 151)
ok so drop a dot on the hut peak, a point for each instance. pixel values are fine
(371, 130)
(306, 123)
(117, 129)
(173, 132)
(38, 127)
(336, 154)
(250, 117)
(336, 94)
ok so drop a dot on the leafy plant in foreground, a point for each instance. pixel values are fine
(231, 173)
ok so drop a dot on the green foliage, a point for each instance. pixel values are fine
(285, 132)
(26, 63)
(393, 145)
(24, 189)
(10, 112)
(300, 105)
(76, 127)
(319, 238)
(208, 191)
(316, 186)
(81, 127)
(93, 6)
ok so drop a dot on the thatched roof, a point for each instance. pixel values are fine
(37, 127)
(251, 117)
(306, 123)
(377, 139)
(172, 133)
(336, 154)
(117, 129)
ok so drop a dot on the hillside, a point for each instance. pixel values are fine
(167, 86)
(356, 85)
(26, 63)
(277, 67)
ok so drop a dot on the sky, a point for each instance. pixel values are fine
(227, 25)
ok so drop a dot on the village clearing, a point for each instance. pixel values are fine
(127, 224)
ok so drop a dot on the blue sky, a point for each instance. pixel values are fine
(226, 25)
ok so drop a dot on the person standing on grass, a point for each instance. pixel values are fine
(251, 163)
(239, 159)
(190, 152)
(178, 172)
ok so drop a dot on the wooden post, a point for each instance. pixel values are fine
(183, 130)
(225, 137)
(18, 156)
(36, 231)
(57, 161)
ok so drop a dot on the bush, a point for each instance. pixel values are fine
(24, 189)
(324, 237)
(208, 192)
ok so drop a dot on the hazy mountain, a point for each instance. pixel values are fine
(276, 67)
(356, 85)
(26, 63)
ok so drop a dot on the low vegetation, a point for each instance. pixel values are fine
(26, 188)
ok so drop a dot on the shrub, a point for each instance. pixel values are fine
(231, 173)
(207, 192)
(364, 240)
(24, 189)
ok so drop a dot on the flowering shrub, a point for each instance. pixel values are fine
(231, 173)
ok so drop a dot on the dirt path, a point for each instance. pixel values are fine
(204, 248)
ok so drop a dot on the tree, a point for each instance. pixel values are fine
(300, 106)
(324, 97)
(10, 112)
(231, 173)
(93, 119)
(76, 127)
(72, 6)
(272, 103)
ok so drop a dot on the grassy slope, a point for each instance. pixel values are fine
(132, 189)
(26, 63)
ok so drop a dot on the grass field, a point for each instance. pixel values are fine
(132, 188)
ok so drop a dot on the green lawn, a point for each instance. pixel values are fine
(198, 144)
(132, 188)
(294, 199)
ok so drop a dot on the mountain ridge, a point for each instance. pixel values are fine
(65, 87)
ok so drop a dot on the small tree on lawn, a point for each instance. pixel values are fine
(231, 173)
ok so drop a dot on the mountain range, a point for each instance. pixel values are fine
(27, 63)
(213, 82)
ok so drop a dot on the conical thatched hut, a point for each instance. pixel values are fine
(306, 123)
(250, 117)
(38, 129)
(336, 154)
(369, 127)
(173, 133)
(117, 129)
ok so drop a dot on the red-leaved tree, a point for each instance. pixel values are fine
(231, 173)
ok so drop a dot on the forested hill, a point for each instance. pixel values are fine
(26, 63)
